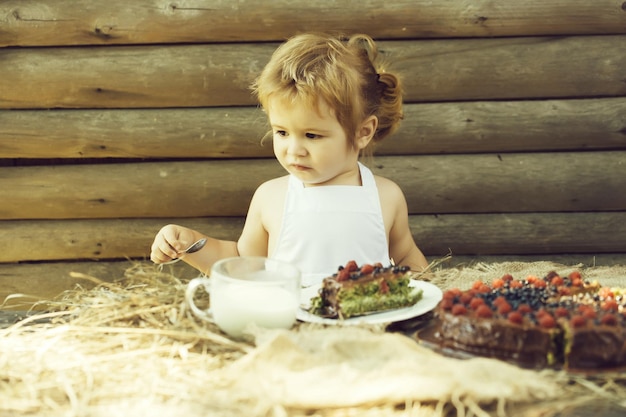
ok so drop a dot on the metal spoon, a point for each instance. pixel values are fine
(191, 249)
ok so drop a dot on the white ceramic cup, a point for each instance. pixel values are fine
(248, 289)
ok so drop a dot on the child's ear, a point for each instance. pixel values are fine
(366, 132)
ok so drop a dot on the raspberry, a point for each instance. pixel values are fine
(484, 311)
(499, 300)
(459, 310)
(497, 283)
(484, 289)
(507, 277)
(578, 321)
(606, 292)
(449, 294)
(610, 305)
(540, 284)
(447, 303)
(589, 314)
(476, 302)
(343, 275)
(609, 319)
(516, 284)
(524, 308)
(465, 298)
(557, 281)
(515, 317)
(574, 275)
(577, 282)
(504, 308)
(547, 322)
(477, 284)
(367, 269)
(532, 279)
(561, 312)
(352, 266)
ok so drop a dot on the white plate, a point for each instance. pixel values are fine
(430, 298)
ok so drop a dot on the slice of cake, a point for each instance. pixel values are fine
(356, 291)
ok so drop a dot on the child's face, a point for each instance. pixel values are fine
(311, 144)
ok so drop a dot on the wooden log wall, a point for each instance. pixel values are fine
(118, 117)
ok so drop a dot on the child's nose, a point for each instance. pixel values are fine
(296, 146)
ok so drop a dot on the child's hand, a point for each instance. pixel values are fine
(169, 242)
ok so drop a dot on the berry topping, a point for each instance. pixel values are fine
(504, 308)
(497, 283)
(515, 317)
(459, 310)
(609, 319)
(384, 287)
(557, 281)
(447, 303)
(547, 321)
(561, 312)
(484, 311)
(610, 305)
(352, 266)
(575, 275)
(578, 321)
(367, 269)
(476, 302)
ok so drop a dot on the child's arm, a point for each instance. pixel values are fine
(402, 247)
(172, 239)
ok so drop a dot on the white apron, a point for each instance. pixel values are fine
(325, 227)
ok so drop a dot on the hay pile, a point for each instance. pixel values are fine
(132, 348)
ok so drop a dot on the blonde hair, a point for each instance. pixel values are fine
(344, 72)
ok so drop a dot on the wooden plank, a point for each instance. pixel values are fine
(220, 75)
(121, 22)
(525, 182)
(428, 128)
(489, 234)
(520, 233)
(49, 240)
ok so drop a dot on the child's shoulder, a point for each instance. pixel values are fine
(385, 184)
(274, 185)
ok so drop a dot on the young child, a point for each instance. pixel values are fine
(327, 103)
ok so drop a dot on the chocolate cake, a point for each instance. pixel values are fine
(355, 291)
(535, 322)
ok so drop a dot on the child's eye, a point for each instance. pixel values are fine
(312, 136)
(280, 133)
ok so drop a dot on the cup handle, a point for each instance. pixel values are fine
(192, 287)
